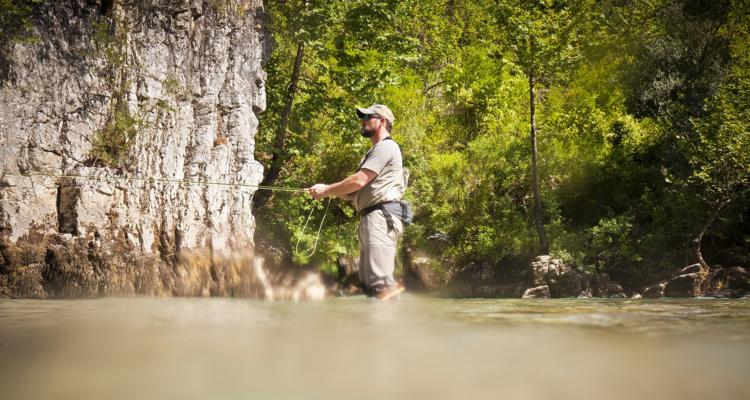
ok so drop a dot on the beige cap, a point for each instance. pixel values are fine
(379, 109)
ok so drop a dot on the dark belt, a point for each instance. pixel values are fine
(381, 206)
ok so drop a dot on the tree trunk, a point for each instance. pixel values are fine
(279, 152)
(699, 238)
(539, 222)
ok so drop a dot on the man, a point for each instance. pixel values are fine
(375, 189)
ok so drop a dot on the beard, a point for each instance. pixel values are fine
(367, 132)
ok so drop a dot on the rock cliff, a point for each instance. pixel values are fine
(121, 89)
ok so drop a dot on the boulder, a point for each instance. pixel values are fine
(539, 292)
(561, 280)
(654, 291)
(728, 282)
(685, 285)
(568, 284)
(615, 291)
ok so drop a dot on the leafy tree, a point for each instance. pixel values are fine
(546, 38)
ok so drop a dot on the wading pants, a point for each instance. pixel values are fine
(377, 249)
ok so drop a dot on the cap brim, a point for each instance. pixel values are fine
(361, 112)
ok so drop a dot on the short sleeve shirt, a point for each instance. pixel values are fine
(385, 160)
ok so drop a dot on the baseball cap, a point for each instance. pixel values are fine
(379, 109)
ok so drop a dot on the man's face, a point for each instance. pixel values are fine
(370, 125)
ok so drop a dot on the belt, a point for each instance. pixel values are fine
(381, 206)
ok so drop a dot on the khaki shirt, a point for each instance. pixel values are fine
(385, 160)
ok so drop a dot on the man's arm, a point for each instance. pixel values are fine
(350, 184)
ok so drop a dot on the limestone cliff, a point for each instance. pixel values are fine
(118, 89)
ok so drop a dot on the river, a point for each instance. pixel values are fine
(357, 348)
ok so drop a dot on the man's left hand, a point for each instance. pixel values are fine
(318, 191)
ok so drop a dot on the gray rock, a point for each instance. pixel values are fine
(615, 291)
(539, 292)
(562, 280)
(569, 284)
(654, 291)
(685, 285)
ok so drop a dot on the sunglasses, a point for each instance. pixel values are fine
(370, 116)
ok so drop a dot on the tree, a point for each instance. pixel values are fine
(304, 22)
(719, 155)
(546, 41)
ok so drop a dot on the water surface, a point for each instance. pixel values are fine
(356, 348)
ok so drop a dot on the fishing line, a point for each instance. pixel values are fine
(194, 182)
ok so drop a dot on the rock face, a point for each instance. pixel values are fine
(159, 89)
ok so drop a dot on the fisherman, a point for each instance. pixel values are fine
(376, 190)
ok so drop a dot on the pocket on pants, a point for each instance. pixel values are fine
(374, 230)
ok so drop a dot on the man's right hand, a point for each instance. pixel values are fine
(318, 190)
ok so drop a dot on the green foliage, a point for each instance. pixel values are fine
(14, 19)
(629, 167)
(15, 27)
(112, 143)
(172, 87)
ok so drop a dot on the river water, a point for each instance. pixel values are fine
(357, 348)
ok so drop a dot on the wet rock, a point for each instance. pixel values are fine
(585, 294)
(615, 291)
(685, 285)
(654, 291)
(26, 282)
(567, 285)
(636, 296)
(562, 280)
(539, 292)
(728, 282)
(738, 278)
